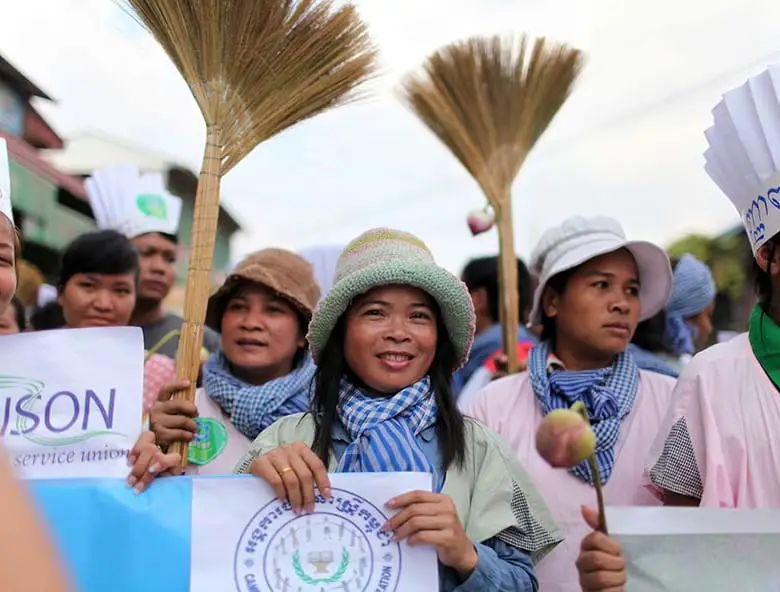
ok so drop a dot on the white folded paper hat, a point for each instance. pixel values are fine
(132, 203)
(743, 157)
(5, 182)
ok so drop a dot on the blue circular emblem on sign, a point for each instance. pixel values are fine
(339, 548)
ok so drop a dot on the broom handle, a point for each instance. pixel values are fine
(507, 282)
(580, 408)
(204, 231)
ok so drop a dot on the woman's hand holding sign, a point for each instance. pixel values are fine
(425, 518)
(601, 564)
(148, 462)
(292, 470)
(428, 518)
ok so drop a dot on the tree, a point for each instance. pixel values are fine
(725, 254)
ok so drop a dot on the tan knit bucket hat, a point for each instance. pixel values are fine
(287, 274)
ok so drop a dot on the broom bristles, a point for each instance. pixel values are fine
(257, 67)
(490, 99)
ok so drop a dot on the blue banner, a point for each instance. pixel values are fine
(113, 539)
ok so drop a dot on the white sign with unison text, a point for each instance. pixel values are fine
(71, 400)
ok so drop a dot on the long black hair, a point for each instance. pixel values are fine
(332, 366)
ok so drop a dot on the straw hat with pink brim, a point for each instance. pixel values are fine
(580, 239)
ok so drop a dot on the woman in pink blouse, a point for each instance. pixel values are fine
(594, 288)
(719, 446)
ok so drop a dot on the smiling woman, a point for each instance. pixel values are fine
(393, 311)
(386, 339)
(97, 288)
(262, 370)
(594, 288)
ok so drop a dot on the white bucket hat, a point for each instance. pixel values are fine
(581, 239)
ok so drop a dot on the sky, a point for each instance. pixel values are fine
(628, 143)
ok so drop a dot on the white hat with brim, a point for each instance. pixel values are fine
(579, 240)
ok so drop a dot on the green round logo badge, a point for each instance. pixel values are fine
(152, 205)
(209, 442)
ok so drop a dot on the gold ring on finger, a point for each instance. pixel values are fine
(284, 470)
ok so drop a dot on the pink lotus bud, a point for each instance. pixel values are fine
(480, 221)
(564, 439)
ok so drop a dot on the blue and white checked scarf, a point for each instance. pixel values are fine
(384, 430)
(253, 408)
(608, 393)
(692, 292)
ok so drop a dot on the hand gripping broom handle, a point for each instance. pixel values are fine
(203, 237)
(507, 281)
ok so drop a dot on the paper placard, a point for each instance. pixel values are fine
(698, 549)
(245, 540)
(71, 400)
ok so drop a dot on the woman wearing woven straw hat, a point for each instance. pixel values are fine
(387, 338)
(594, 288)
(260, 373)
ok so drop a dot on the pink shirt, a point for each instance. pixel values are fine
(158, 371)
(721, 440)
(509, 407)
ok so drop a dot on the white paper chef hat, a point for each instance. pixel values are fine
(743, 157)
(132, 203)
(5, 182)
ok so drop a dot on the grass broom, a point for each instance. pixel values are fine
(255, 68)
(489, 100)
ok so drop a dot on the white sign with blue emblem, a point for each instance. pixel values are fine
(246, 540)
